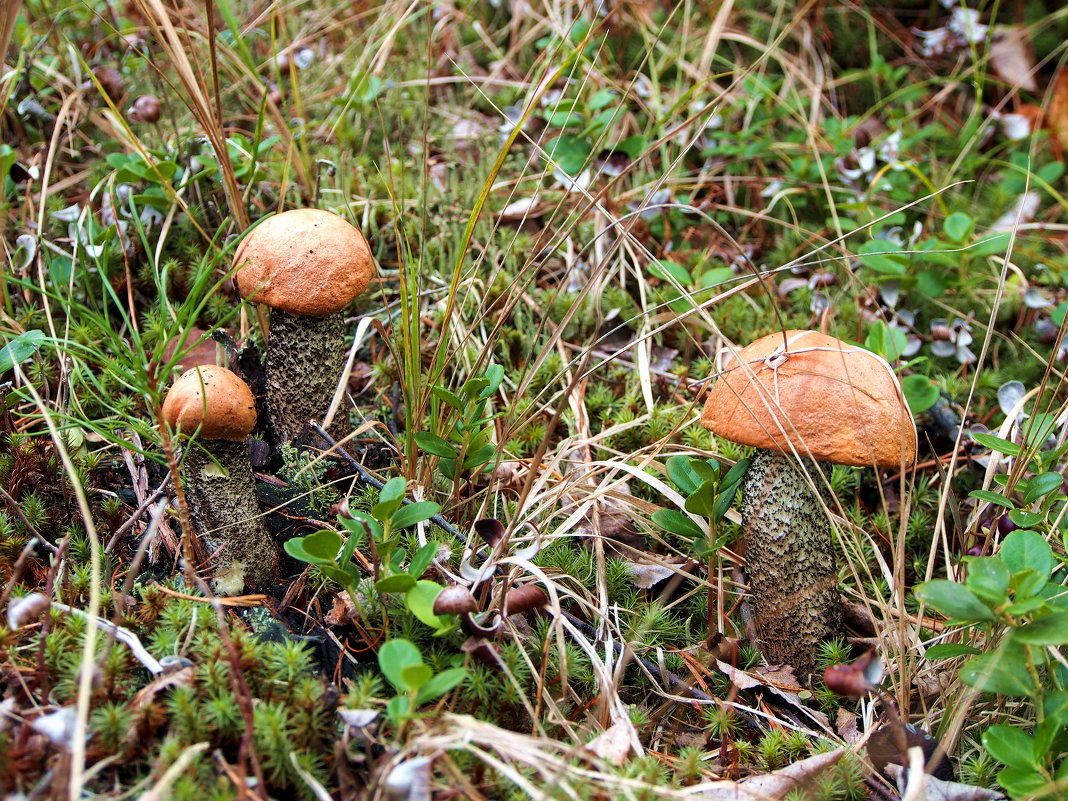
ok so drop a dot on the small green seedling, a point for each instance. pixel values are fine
(708, 494)
(333, 554)
(415, 682)
(465, 447)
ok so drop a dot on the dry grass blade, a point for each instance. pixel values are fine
(196, 99)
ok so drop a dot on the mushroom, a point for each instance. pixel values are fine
(218, 407)
(798, 396)
(307, 265)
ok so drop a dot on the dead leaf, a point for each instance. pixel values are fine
(1057, 113)
(149, 692)
(342, 612)
(527, 208)
(1012, 60)
(846, 725)
(779, 681)
(614, 744)
(775, 785)
(1023, 211)
(938, 790)
(649, 574)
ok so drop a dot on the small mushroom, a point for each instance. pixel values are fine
(217, 406)
(826, 400)
(145, 108)
(307, 265)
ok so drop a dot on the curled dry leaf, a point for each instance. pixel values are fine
(148, 693)
(410, 780)
(649, 574)
(776, 785)
(938, 790)
(524, 599)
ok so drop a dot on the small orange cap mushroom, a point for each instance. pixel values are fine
(305, 261)
(211, 399)
(834, 401)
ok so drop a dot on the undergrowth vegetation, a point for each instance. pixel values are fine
(521, 575)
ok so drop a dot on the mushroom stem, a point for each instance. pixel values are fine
(305, 358)
(790, 562)
(222, 503)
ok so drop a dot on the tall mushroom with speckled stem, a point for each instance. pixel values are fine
(217, 407)
(809, 394)
(308, 265)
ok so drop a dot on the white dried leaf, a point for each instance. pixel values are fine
(410, 780)
(1022, 211)
(938, 790)
(1010, 56)
(776, 785)
(614, 744)
(648, 574)
(1015, 126)
(26, 609)
(358, 721)
(27, 245)
(57, 726)
(1010, 394)
(523, 209)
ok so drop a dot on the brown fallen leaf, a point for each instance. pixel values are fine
(780, 682)
(1057, 113)
(148, 693)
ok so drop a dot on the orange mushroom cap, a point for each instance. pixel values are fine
(824, 397)
(305, 261)
(211, 399)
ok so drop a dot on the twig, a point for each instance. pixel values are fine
(367, 478)
(136, 515)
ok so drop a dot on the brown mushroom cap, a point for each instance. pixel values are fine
(305, 261)
(834, 401)
(214, 400)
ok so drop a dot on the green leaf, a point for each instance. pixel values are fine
(1025, 519)
(993, 497)
(702, 502)
(1051, 629)
(998, 673)
(569, 153)
(414, 513)
(988, 577)
(1038, 429)
(957, 226)
(482, 456)
(451, 398)
(402, 582)
(948, 650)
(420, 600)
(440, 684)
(20, 348)
(342, 576)
(1041, 485)
(953, 600)
(319, 548)
(1024, 783)
(389, 499)
(737, 472)
(921, 393)
(415, 676)
(704, 470)
(888, 342)
(393, 657)
(633, 146)
(992, 245)
(681, 474)
(677, 523)
(435, 445)
(881, 256)
(1010, 746)
(1024, 550)
(600, 99)
(996, 444)
(422, 559)
(666, 270)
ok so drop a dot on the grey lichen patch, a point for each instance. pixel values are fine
(790, 562)
(222, 503)
(305, 357)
